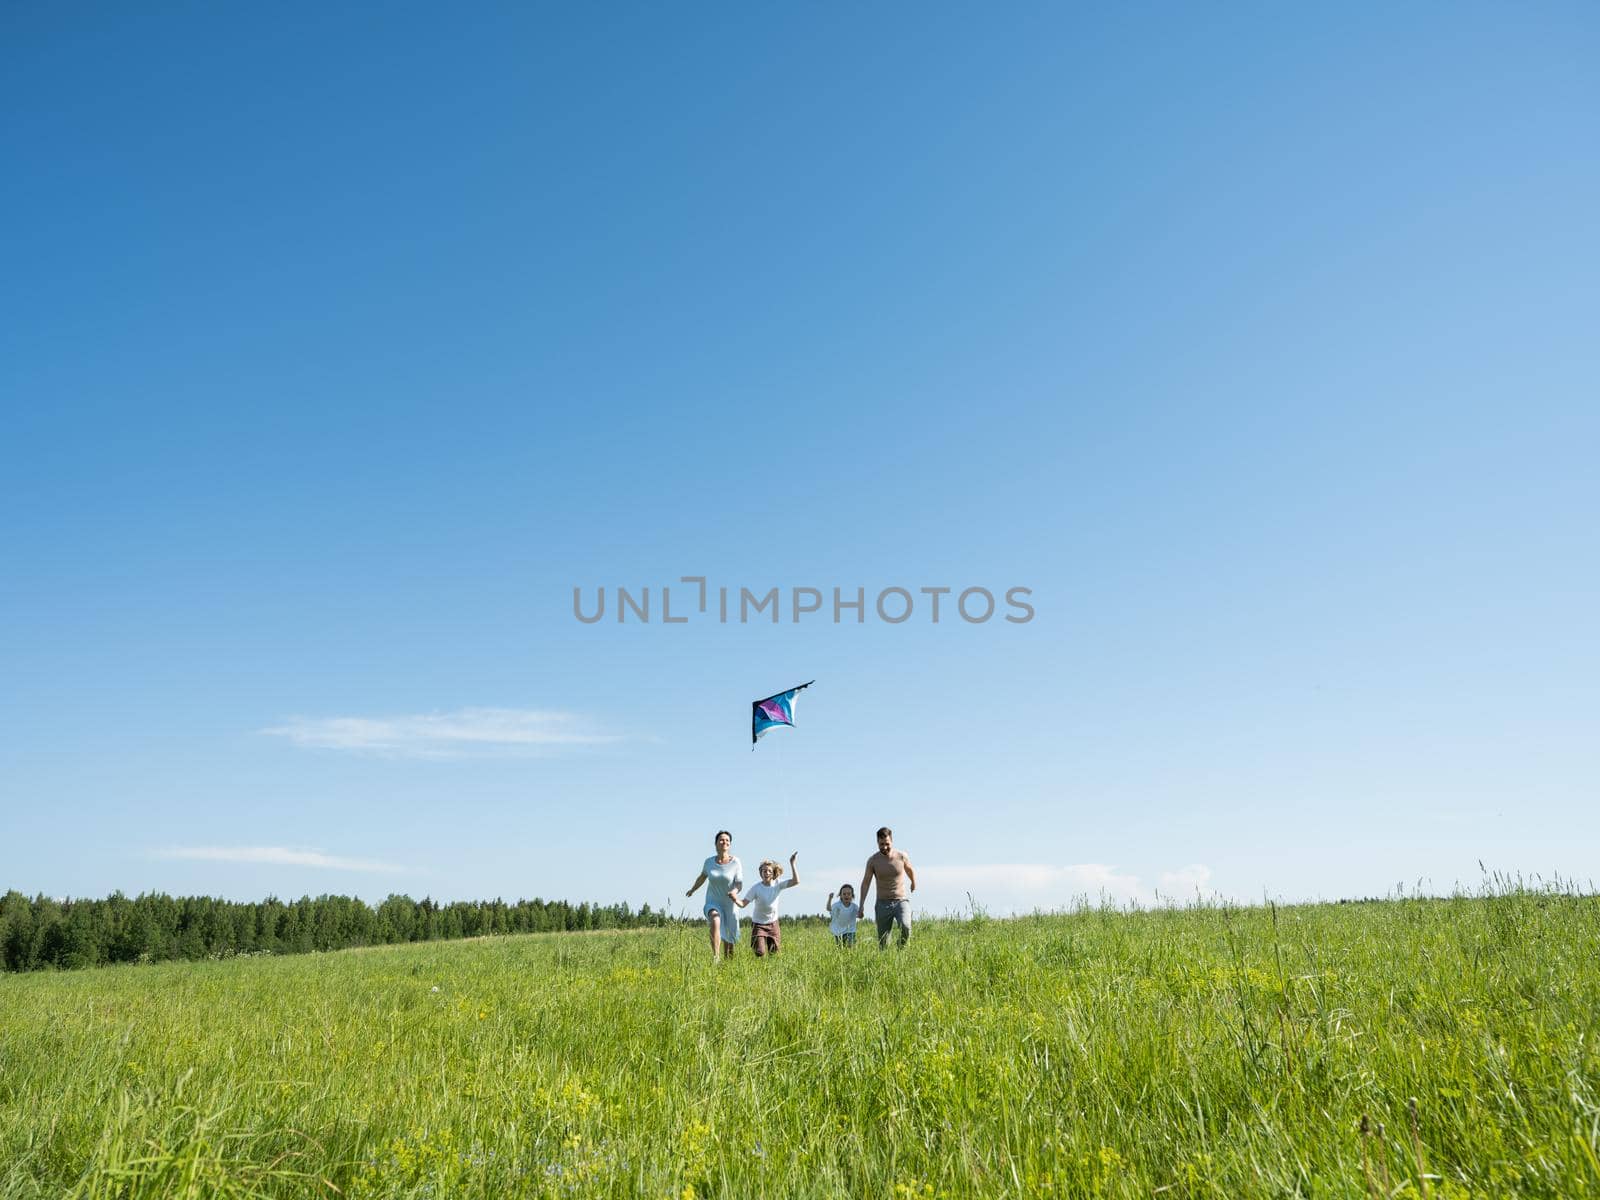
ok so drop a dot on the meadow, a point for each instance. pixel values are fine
(1408, 1047)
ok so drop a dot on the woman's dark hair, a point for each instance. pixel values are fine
(719, 833)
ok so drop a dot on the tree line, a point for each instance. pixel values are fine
(41, 933)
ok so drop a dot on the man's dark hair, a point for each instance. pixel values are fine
(885, 830)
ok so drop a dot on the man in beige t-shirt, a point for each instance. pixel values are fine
(896, 880)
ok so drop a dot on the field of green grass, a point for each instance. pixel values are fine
(1173, 1053)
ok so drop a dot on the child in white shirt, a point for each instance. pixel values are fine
(764, 895)
(845, 912)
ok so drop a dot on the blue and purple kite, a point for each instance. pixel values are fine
(773, 712)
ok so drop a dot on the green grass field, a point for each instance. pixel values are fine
(1177, 1053)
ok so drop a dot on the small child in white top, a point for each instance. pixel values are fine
(764, 935)
(845, 912)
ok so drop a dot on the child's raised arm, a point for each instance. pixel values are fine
(828, 907)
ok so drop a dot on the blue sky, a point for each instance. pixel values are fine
(338, 346)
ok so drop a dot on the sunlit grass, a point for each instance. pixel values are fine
(1180, 1053)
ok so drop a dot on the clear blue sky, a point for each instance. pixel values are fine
(338, 345)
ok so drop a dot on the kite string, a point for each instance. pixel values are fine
(783, 786)
(788, 793)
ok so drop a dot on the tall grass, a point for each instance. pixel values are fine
(1201, 1052)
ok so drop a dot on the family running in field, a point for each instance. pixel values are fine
(723, 875)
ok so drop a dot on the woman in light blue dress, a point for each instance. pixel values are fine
(723, 876)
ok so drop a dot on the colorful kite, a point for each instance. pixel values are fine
(773, 711)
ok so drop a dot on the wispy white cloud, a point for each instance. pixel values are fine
(466, 731)
(1186, 879)
(1055, 883)
(281, 856)
(1002, 888)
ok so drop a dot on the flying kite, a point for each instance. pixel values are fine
(773, 711)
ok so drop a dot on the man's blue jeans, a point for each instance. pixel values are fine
(889, 914)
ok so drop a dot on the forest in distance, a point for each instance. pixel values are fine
(41, 933)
